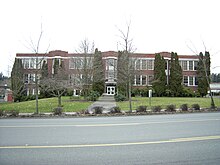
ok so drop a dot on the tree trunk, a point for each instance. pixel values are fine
(207, 79)
(129, 95)
(36, 85)
(37, 97)
(59, 101)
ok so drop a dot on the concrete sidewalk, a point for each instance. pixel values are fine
(105, 101)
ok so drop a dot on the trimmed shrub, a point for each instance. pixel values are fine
(171, 108)
(187, 92)
(196, 107)
(156, 108)
(57, 111)
(141, 108)
(144, 92)
(93, 96)
(168, 93)
(98, 110)
(184, 107)
(115, 110)
(135, 92)
(120, 97)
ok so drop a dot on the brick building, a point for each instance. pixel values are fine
(144, 64)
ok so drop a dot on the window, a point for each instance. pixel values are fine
(150, 65)
(77, 79)
(26, 78)
(191, 81)
(144, 64)
(166, 64)
(110, 75)
(26, 63)
(190, 65)
(195, 65)
(32, 64)
(138, 64)
(143, 80)
(184, 65)
(72, 63)
(138, 79)
(29, 78)
(196, 81)
(78, 63)
(185, 80)
(89, 63)
(150, 79)
(32, 77)
(110, 64)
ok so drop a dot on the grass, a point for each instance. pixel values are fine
(164, 101)
(76, 105)
(46, 105)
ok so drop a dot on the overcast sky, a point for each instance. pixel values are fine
(156, 25)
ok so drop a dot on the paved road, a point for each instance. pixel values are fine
(162, 139)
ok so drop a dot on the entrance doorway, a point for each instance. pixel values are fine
(110, 90)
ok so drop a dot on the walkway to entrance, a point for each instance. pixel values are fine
(105, 101)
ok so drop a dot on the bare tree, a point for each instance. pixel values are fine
(206, 70)
(56, 85)
(128, 71)
(83, 66)
(35, 47)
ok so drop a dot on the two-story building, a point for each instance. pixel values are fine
(144, 64)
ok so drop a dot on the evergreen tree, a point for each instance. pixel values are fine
(207, 66)
(44, 70)
(176, 77)
(44, 75)
(202, 82)
(98, 83)
(17, 84)
(204, 76)
(159, 83)
(56, 66)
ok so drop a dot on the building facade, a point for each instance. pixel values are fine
(74, 63)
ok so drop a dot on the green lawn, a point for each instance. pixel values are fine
(164, 101)
(47, 105)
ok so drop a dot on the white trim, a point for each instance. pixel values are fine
(110, 58)
(188, 59)
(44, 57)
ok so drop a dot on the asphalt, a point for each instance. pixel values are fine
(161, 139)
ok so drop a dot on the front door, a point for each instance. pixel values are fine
(110, 90)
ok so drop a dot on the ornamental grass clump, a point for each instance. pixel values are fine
(58, 111)
(156, 108)
(115, 109)
(141, 108)
(184, 107)
(196, 107)
(98, 110)
(171, 108)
